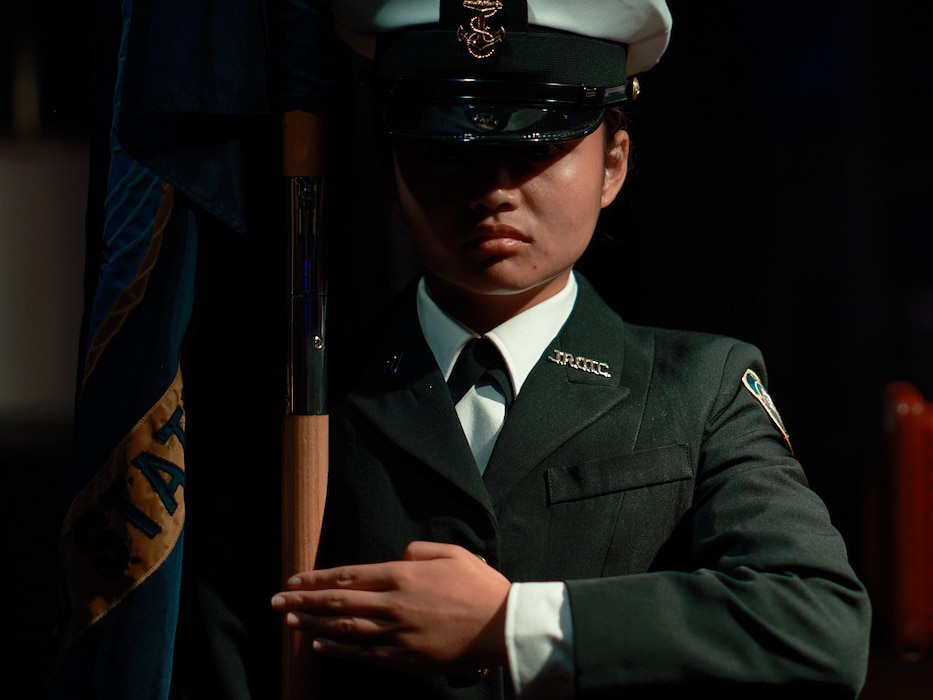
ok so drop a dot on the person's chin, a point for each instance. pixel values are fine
(504, 282)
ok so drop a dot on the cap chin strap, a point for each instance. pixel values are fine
(514, 91)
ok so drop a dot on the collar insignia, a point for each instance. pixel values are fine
(392, 365)
(480, 41)
(584, 364)
(751, 382)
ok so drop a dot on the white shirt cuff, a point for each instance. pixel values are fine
(539, 640)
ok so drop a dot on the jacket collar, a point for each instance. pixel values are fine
(407, 399)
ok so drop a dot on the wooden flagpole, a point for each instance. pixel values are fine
(305, 430)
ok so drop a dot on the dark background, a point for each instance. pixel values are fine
(779, 194)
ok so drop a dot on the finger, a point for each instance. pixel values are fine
(348, 629)
(359, 652)
(366, 577)
(421, 550)
(334, 603)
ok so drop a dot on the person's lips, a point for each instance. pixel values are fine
(496, 238)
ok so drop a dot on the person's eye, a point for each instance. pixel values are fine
(544, 151)
(442, 156)
(427, 154)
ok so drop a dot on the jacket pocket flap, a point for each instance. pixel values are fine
(660, 465)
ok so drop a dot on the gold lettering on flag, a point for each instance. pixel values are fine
(125, 522)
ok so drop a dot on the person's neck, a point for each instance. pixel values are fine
(481, 313)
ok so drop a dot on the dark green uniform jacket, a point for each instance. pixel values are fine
(698, 562)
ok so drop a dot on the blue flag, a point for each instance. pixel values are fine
(121, 542)
(188, 79)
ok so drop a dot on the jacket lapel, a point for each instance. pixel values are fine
(409, 403)
(566, 392)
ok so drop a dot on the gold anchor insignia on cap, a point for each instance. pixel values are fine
(479, 40)
(584, 364)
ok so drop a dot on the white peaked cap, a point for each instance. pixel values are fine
(643, 25)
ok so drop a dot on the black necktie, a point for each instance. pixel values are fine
(480, 363)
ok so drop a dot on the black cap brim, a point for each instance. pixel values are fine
(492, 123)
(539, 86)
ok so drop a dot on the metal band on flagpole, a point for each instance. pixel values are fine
(307, 378)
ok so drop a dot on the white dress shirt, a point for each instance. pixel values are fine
(538, 630)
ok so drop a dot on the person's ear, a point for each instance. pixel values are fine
(615, 167)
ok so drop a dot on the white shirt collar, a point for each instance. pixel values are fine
(521, 340)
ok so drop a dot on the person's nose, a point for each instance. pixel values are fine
(494, 185)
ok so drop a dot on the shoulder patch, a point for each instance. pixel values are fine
(757, 389)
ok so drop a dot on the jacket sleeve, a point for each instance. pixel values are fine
(762, 600)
